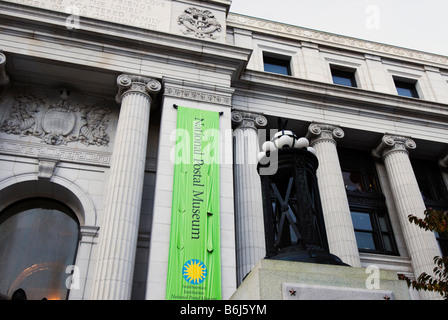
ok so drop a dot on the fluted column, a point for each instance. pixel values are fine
(336, 211)
(117, 241)
(422, 245)
(250, 235)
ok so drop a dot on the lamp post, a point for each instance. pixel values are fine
(294, 224)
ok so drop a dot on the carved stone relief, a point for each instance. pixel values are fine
(58, 123)
(200, 23)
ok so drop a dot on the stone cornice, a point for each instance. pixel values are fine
(112, 38)
(345, 99)
(334, 40)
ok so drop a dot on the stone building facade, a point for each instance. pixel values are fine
(87, 121)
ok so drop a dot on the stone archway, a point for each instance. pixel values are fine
(58, 188)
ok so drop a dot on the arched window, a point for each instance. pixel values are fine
(38, 241)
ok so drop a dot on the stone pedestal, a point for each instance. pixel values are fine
(117, 241)
(286, 280)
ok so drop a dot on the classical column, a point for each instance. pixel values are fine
(117, 242)
(336, 211)
(4, 78)
(250, 240)
(422, 245)
(443, 163)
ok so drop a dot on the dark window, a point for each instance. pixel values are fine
(38, 241)
(430, 182)
(434, 192)
(406, 88)
(362, 223)
(277, 64)
(344, 77)
(373, 231)
(371, 222)
(359, 180)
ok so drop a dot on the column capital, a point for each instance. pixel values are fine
(443, 162)
(247, 120)
(4, 78)
(391, 143)
(128, 83)
(319, 132)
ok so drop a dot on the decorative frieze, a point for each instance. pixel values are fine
(58, 122)
(305, 34)
(199, 23)
(28, 149)
(197, 95)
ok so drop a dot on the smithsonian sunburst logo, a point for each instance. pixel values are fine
(194, 271)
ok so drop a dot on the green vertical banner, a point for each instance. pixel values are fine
(194, 263)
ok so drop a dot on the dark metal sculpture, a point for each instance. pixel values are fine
(294, 224)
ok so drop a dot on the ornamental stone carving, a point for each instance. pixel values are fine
(58, 123)
(246, 120)
(199, 23)
(391, 144)
(133, 83)
(318, 132)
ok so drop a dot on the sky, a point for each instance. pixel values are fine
(412, 24)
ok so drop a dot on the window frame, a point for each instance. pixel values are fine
(378, 233)
(370, 201)
(344, 73)
(406, 84)
(277, 60)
